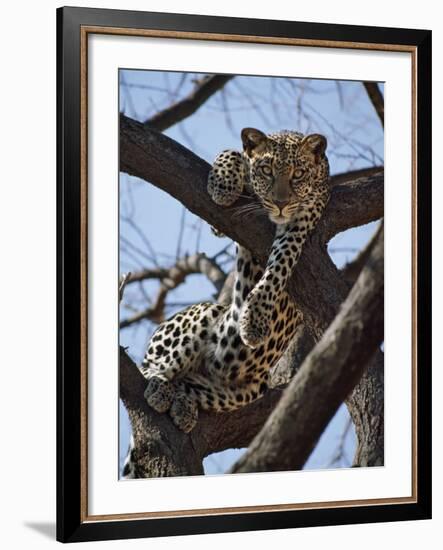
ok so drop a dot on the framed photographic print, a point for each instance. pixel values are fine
(243, 281)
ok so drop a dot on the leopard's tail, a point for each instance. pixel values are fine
(220, 397)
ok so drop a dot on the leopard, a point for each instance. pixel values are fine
(219, 357)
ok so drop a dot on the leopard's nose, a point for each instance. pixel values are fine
(281, 204)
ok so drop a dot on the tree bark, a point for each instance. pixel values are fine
(325, 379)
(317, 287)
(160, 450)
(163, 450)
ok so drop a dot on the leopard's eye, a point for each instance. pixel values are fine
(266, 170)
(298, 173)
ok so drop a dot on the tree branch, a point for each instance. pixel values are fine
(154, 157)
(204, 89)
(170, 279)
(122, 284)
(160, 450)
(197, 263)
(325, 379)
(213, 433)
(353, 268)
(377, 100)
(349, 177)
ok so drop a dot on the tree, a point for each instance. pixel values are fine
(335, 357)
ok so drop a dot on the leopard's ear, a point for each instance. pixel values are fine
(253, 140)
(315, 144)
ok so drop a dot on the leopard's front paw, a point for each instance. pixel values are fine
(220, 194)
(184, 412)
(159, 394)
(254, 329)
(225, 179)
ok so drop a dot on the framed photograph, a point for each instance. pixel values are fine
(244, 326)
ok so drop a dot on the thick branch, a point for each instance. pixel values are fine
(204, 89)
(213, 433)
(366, 407)
(160, 449)
(353, 268)
(163, 162)
(325, 379)
(347, 177)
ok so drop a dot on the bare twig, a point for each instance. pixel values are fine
(177, 112)
(127, 96)
(170, 279)
(148, 273)
(131, 223)
(180, 233)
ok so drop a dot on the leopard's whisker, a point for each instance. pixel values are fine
(246, 212)
(243, 196)
(247, 207)
(248, 204)
(259, 212)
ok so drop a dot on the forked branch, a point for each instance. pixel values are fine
(326, 378)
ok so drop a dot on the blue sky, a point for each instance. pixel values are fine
(151, 221)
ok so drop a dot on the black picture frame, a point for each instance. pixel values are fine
(71, 523)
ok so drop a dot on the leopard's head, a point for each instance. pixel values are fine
(285, 170)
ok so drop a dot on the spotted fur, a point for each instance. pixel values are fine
(218, 358)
